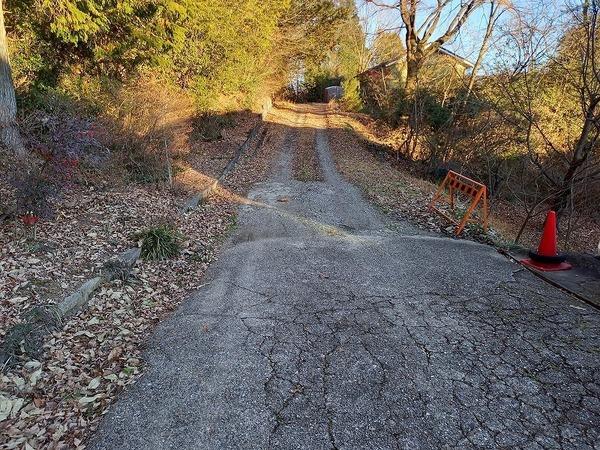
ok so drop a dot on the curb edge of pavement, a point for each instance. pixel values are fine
(198, 198)
(38, 326)
(551, 282)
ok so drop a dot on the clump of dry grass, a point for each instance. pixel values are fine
(147, 124)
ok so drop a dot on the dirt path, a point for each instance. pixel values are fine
(324, 326)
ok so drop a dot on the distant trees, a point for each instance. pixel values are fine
(387, 45)
(549, 99)
(215, 49)
(578, 67)
(350, 57)
(308, 31)
(351, 54)
(529, 126)
(496, 8)
(429, 25)
(227, 50)
(333, 33)
(438, 24)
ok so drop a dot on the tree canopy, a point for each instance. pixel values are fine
(211, 47)
(387, 46)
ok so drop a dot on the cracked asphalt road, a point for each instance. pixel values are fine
(323, 326)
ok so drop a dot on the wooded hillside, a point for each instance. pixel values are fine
(136, 77)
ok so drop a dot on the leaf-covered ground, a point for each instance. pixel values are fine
(358, 144)
(56, 399)
(306, 161)
(395, 191)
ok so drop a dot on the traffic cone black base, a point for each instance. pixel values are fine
(547, 258)
(546, 267)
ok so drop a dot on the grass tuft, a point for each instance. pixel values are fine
(160, 242)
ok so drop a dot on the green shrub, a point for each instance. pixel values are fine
(160, 242)
(351, 99)
(429, 108)
(435, 113)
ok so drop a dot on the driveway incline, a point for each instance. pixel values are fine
(324, 326)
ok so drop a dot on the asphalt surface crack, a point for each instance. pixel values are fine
(361, 338)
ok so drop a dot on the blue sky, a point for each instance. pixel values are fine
(548, 13)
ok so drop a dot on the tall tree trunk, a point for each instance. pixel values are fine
(9, 133)
(412, 76)
(412, 59)
(584, 145)
(495, 13)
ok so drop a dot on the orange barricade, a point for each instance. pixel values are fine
(453, 183)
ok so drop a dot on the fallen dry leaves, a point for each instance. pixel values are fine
(306, 165)
(397, 192)
(398, 188)
(57, 400)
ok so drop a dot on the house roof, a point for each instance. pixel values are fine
(465, 62)
(444, 51)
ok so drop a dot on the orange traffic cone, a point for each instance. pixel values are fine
(547, 258)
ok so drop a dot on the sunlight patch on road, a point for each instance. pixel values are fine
(322, 228)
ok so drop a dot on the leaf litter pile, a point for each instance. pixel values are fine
(56, 398)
